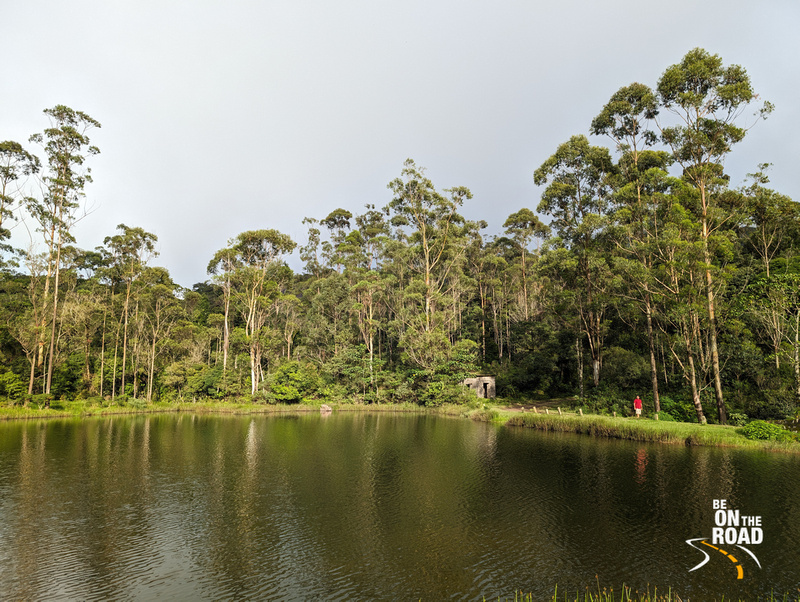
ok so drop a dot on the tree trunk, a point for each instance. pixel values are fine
(125, 338)
(692, 378)
(712, 319)
(651, 345)
(152, 369)
(103, 353)
(797, 354)
(579, 352)
(55, 317)
(226, 339)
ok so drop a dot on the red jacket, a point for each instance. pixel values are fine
(637, 404)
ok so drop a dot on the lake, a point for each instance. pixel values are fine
(378, 506)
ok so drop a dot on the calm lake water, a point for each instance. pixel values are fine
(368, 507)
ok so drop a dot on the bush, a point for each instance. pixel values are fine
(766, 431)
(624, 369)
(438, 393)
(681, 410)
(737, 419)
(12, 385)
(291, 382)
(137, 404)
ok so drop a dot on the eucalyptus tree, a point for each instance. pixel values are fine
(578, 179)
(310, 252)
(772, 303)
(15, 163)
(254, 288)
(129, 251)
(24, 311)
(626, 119)
(522, 227)
(432, 237)
(772, 219)
(708, 100)
(161, 310)
(66, 145)
(677, 272)
(222, 267)
(338, 224)
(363, 251)
(486, 263)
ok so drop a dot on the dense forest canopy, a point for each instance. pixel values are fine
(642, 270)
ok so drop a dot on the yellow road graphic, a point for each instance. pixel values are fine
(739, 569)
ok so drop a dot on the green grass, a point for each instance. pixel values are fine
(643, 429)
(627, 594)
(98, 407)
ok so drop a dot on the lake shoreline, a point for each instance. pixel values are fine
(644, 430)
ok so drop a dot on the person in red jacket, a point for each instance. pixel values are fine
(637, 406)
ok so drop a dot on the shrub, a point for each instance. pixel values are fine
(766, 431)
(137, 404)
(737, 419)
(624, 369)
(11, 385)
(291, 382)
(681, 410)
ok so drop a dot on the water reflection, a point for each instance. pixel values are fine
(366, 507)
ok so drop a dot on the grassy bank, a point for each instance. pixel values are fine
(643, 429)
(84, 408)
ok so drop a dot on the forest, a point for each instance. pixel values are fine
(644, 269)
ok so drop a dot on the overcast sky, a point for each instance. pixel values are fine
(219, 117)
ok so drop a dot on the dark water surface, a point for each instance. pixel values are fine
(367, 507)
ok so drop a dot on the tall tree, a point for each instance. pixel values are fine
(708, 100)
(434, 253)
(222, 267)
(66, 146)
(577, 198)
(258, 253)
(15, 164)
(642, 177)
(130, 251)
(523, 226)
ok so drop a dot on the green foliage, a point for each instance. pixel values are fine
(11, 385)
(766, 431)
(137, 404)
(680, 409)
(291, 382)
(438, 393)
(401, 303)
(624, 369)
(737, 419)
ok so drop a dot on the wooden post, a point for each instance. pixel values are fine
(656, 415)
(535, 411)
(547, 411)
(615, 414)
(559, 412)
(580, 411)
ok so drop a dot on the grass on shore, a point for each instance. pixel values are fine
(81, 408)
(644, 429)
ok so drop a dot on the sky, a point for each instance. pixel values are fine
(220, 117)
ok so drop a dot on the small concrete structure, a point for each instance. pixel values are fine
(484, 386)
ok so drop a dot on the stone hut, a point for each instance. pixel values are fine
(484, 386)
